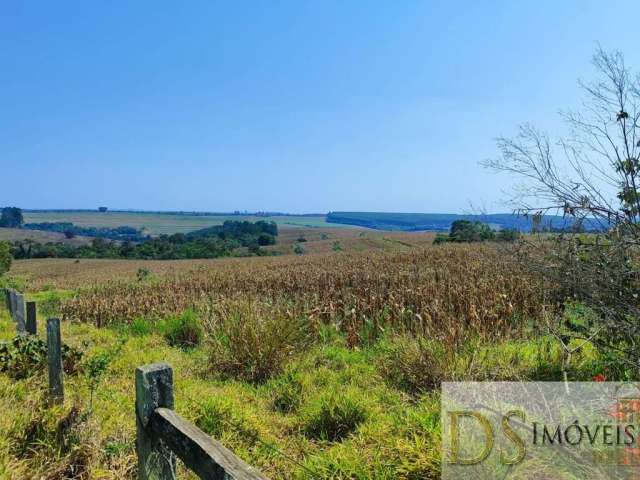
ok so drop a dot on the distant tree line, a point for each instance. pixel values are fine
(219, 241)
(70, 230)
(466, 231)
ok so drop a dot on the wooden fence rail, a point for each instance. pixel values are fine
(162, 435)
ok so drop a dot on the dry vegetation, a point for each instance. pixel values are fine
(436, 291)
(71, 274)
(325, 365)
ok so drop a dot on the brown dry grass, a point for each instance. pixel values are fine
(71, 274)
(441, 291)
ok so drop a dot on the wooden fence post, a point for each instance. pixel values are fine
(32, 324)
(12, 300)
(20, 314)
(54, 358)
(154, 389)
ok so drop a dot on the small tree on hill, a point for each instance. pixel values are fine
(11, 217)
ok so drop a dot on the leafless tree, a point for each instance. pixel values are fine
(591, 177)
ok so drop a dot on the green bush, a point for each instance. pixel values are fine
(5, 257)
(334, 416)
(441, 238)
(253, 345)
(26, 355)
(182, 331)
(411, 365)
(140, 327)
(507, 235)
(286, 392)
(49, 303)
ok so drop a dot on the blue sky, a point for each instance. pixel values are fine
(298, 106)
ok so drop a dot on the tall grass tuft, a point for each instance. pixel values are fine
(333, 416)
(250, 344)
(182, 331)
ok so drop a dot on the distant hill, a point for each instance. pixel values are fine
(441, 222)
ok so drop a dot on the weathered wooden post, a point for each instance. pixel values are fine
(154, 389)
(12, 300)
(20, 314)
(32, 324)
(54, 358)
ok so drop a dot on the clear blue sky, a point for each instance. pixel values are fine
(298, 106)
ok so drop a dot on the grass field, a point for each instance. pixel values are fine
(161, 223)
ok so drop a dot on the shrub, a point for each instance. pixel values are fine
(412, 365)
(336, 247)
(266, 239)
(26, 355)
(50, 304)
(252, 345)
(334, 416)
(441, 238)
(508, 235)
(143, 274)
(221, 418)
(298, 249)
(182, 331)
(140, 327)
(5, 257)
(286, 392)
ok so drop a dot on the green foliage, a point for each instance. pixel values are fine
(95, 368)
(253, 346)
(285, 392)
(26, 355)
(298, 249)
(336, 247)
(143, 274)
(5, 257)
(440, 238)
(140, 327)
(124, 233)
(182, 331)
(49, 303)
(467, 231)
(507, 235)
(412, 365)
(212, 242)
(11, 217)
(333, 416)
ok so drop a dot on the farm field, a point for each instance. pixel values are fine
(167, 223)
(325, 365)
(13, 234)
(66, 273)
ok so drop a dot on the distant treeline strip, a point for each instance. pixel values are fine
(70, 230)
(212, 242)
(441, 222)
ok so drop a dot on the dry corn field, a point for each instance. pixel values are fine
(435, 290)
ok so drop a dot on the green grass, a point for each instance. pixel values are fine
(165, 223)
(329, 412)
